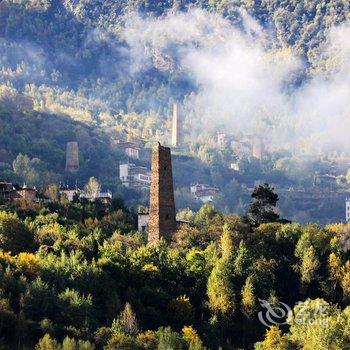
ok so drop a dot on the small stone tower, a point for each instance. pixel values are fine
(162, 217)
(177, 138)
(72, 157)
(222, 140)
(258, 147)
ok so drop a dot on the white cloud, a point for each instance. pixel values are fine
(242, 76)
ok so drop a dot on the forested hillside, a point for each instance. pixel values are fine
(77, 275)
(79, 46)
(99, 71)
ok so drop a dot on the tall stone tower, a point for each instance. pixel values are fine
(72, 157)
(177, 138)
(162, 218)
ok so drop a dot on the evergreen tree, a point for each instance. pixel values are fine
(47, 343)
(126, 321)
(220, 290)
(309, 265)
(226, 243)
(263, 208)
(248, 297)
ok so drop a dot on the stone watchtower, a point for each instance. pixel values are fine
(177, 137)
(72, 157)
(162, 217)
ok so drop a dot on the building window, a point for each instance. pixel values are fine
(167, 216)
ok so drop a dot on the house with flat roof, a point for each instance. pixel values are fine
(135, 176)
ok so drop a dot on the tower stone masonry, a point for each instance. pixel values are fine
(162, 216)
(258, 147)
(177, 138)
(72, 157)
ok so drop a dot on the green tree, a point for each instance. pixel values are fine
(226, 243)
(309, 265)
(316, 324)
(126, 321)
(72, 344)
(242, 259)
(47, 343)
(274, 340)
(15, 237)
(39, 300)
(206, 213)
(248, 297)
(28, 170)
(220, 290)
(263, 207)
(93, 187)
(169, 340)
(76, 310)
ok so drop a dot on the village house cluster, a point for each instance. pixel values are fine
(134, 173)
(204, 193)
(135, 176)
(10, 192)
(347, 209)
(73, 193)
(138, 177)
(131, 149)
(250, 145)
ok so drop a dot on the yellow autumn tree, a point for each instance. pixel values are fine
(28, 262)
(334, 267)
(226, 243)
(309, 265)
(248, 297)
(219, 290)
(192, 338)
(274, 339)
(345, 282)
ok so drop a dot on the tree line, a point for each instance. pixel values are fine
(76, 277)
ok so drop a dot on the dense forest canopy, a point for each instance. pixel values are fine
(74, 276)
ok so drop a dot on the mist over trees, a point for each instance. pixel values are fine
(88, 62)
